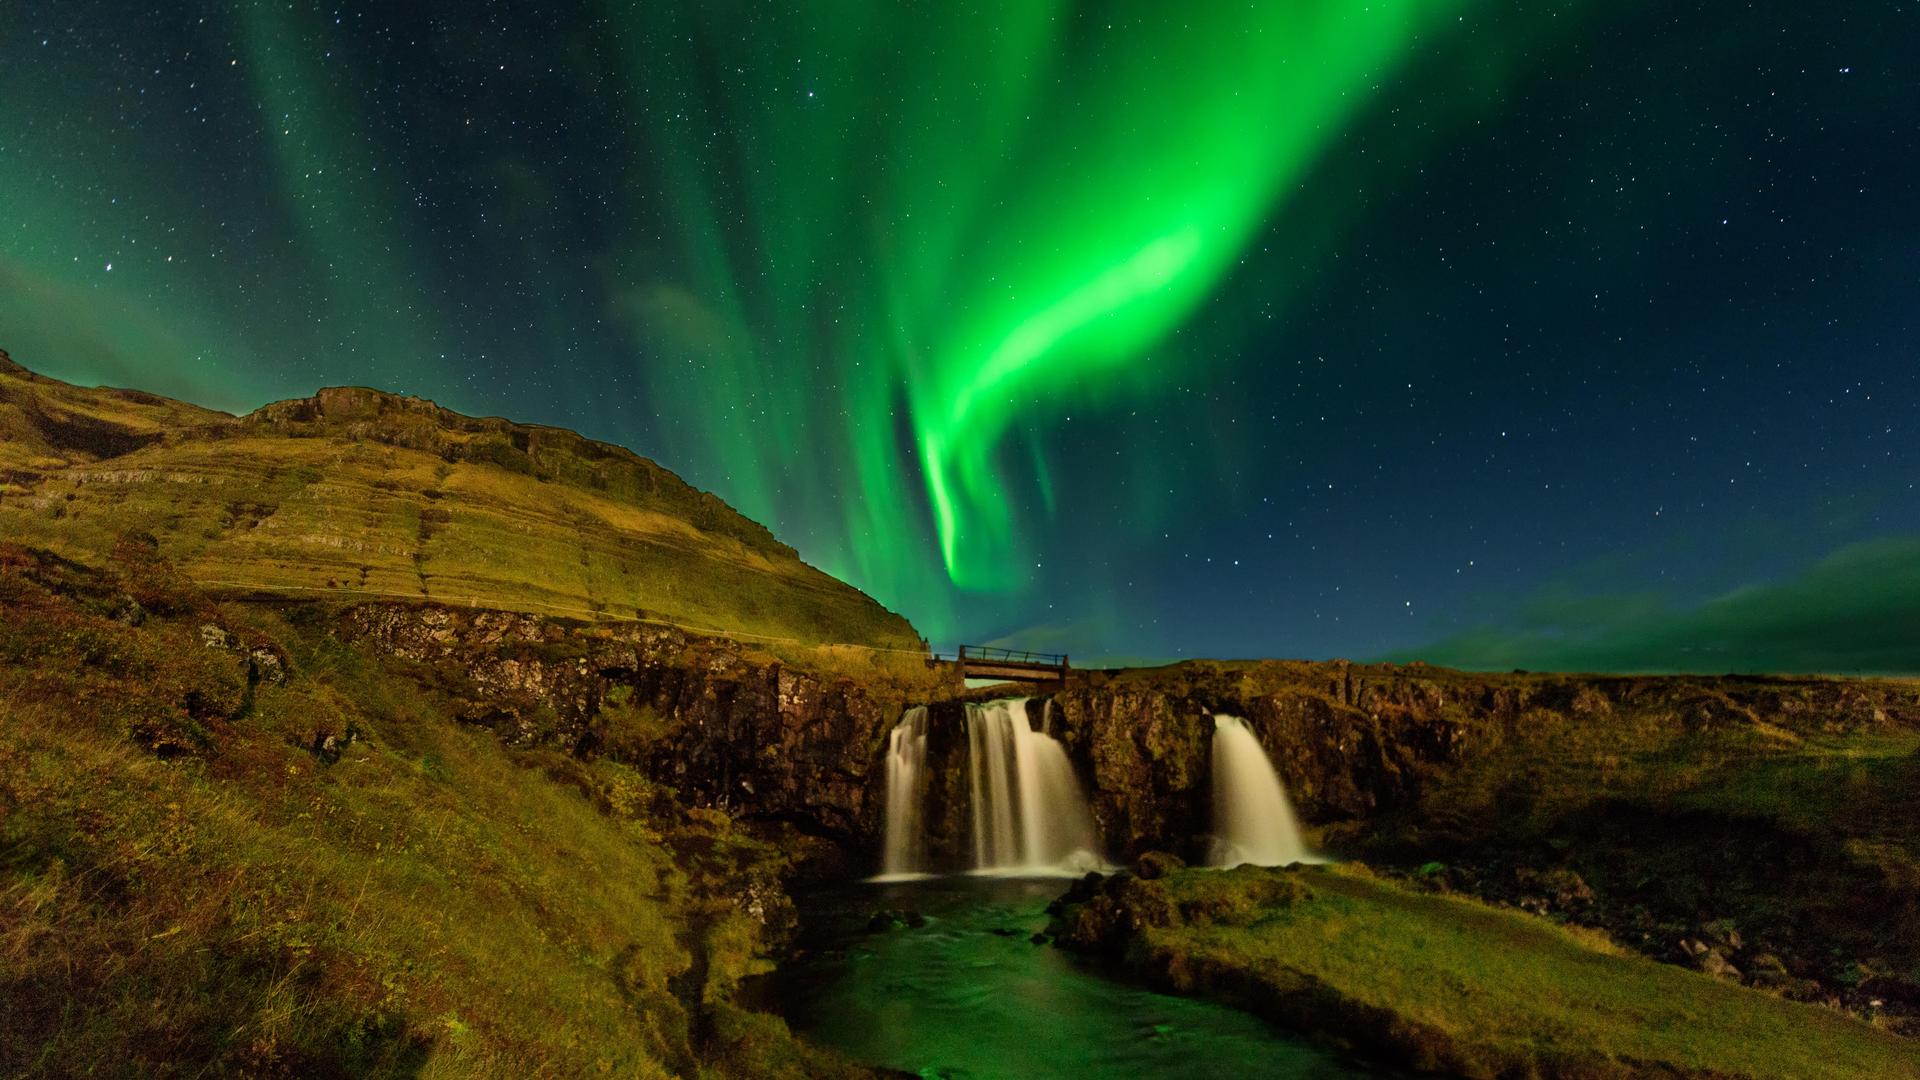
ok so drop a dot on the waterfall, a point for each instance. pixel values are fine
(1252, 820)
(906, 836)
(1029, 813)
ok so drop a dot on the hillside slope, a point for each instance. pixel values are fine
(356, 492)
(235, 840)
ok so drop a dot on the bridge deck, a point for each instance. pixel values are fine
(987, 662)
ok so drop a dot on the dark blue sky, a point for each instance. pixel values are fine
(1586, 339)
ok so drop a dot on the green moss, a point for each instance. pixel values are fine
(1449, 984)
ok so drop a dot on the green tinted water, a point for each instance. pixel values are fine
(968, 995)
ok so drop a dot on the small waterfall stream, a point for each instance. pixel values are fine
(1029, 813)
(972, 994)
(905, 855)
(1252, 820)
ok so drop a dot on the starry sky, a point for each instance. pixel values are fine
(1552, 335)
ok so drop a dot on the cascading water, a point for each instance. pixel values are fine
(905, 855)
(1252, 820)
(1029, 813)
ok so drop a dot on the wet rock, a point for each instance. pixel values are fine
(1345, 747)
(1157, 864)
(884, 920)
(1085, 888)
(1145, 905)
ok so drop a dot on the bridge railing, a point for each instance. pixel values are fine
(992, 654)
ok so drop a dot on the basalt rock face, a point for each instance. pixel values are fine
(757, 738)
(1343, 751)
(947, 813)
(1354, 742)
(725, 729)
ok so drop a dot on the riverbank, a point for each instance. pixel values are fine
(1441, 983)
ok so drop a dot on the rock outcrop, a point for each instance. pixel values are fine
(1353, 742)
(725, 729)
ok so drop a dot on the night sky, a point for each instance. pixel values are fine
(1549, 335)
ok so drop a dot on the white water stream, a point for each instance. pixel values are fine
(1252, 820)
(905, 855)
(1029, 814)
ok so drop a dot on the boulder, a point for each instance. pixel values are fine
(1157, 864)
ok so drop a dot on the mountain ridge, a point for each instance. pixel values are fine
(360, 490)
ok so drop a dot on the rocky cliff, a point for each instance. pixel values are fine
(1356, 743)
(1363, 749)
(726, 728)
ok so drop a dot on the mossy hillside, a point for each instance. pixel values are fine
(1443, 983)
(1793, 833)
(359, 493)
(45, 423)
(262, 851)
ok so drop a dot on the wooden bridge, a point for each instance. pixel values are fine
(1011, 665)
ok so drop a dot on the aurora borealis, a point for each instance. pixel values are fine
(1558, 334)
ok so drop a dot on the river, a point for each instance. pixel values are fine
(969, 995)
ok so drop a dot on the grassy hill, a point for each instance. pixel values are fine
(234, 842)
(356, 492)
(1443, 984)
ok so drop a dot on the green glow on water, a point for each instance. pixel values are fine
(969, 994)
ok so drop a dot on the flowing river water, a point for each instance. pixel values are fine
(970, 995)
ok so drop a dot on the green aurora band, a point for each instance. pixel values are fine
(870, 257)
(1046, 201)
(1035, 319)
